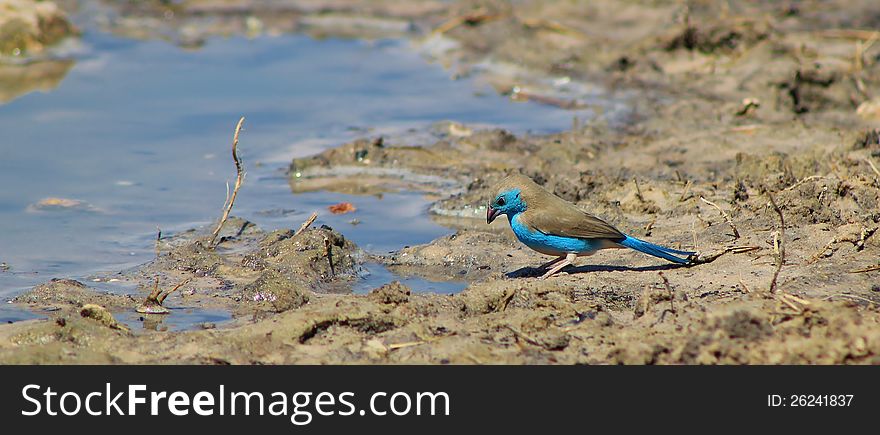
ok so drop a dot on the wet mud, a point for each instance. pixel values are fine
(751, 137)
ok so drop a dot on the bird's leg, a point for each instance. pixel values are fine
(551, 262)
(569, 258)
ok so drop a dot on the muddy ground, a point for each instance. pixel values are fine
(744, 106)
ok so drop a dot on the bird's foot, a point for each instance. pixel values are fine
(568, 259)
(552, 262)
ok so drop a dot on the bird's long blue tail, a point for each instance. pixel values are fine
(657, 250)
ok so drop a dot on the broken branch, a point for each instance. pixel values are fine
(239, 178)
(306, 224)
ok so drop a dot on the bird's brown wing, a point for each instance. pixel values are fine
(561, 218)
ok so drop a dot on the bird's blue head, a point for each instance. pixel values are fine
(508, 201)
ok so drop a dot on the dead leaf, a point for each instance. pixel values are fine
(342, 208)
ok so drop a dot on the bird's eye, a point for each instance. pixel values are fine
(500, 200)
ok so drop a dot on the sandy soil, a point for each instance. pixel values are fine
(737, 104)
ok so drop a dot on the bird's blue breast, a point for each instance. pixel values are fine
(551, 244)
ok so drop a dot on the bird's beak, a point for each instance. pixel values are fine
(491, 214)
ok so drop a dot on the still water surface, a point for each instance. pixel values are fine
(139, 132)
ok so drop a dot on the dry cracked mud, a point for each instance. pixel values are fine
(742, 106)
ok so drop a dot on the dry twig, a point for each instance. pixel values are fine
(866, 269)
(153, 303)
(638, 190)
(724, 215)
(805, 180)
(239, 178)
(306, 224)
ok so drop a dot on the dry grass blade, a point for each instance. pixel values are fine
(239, 178)
(538, 23)
(396, 346)
(822, 251)
(873, 167)
(780, 245)
(638, 190)
(844, 295)
(804, 180)
(797, 299)
(849, 34)
(782, 298)
(724, 215)
(523, 336)
(684, 193)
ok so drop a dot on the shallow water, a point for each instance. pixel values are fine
(139, 133)
(178, 319)
(376, 275)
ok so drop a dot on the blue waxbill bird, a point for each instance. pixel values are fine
(553, 226)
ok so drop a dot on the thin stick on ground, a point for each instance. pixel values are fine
(708, 258)
(638, 190)
(306, 224)
(396, 346)
(239, 178)
(788, 302)
(866, 269)
(780, 248)
(684, 193)
(724, 215)
(844, 295)
(822, 252)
